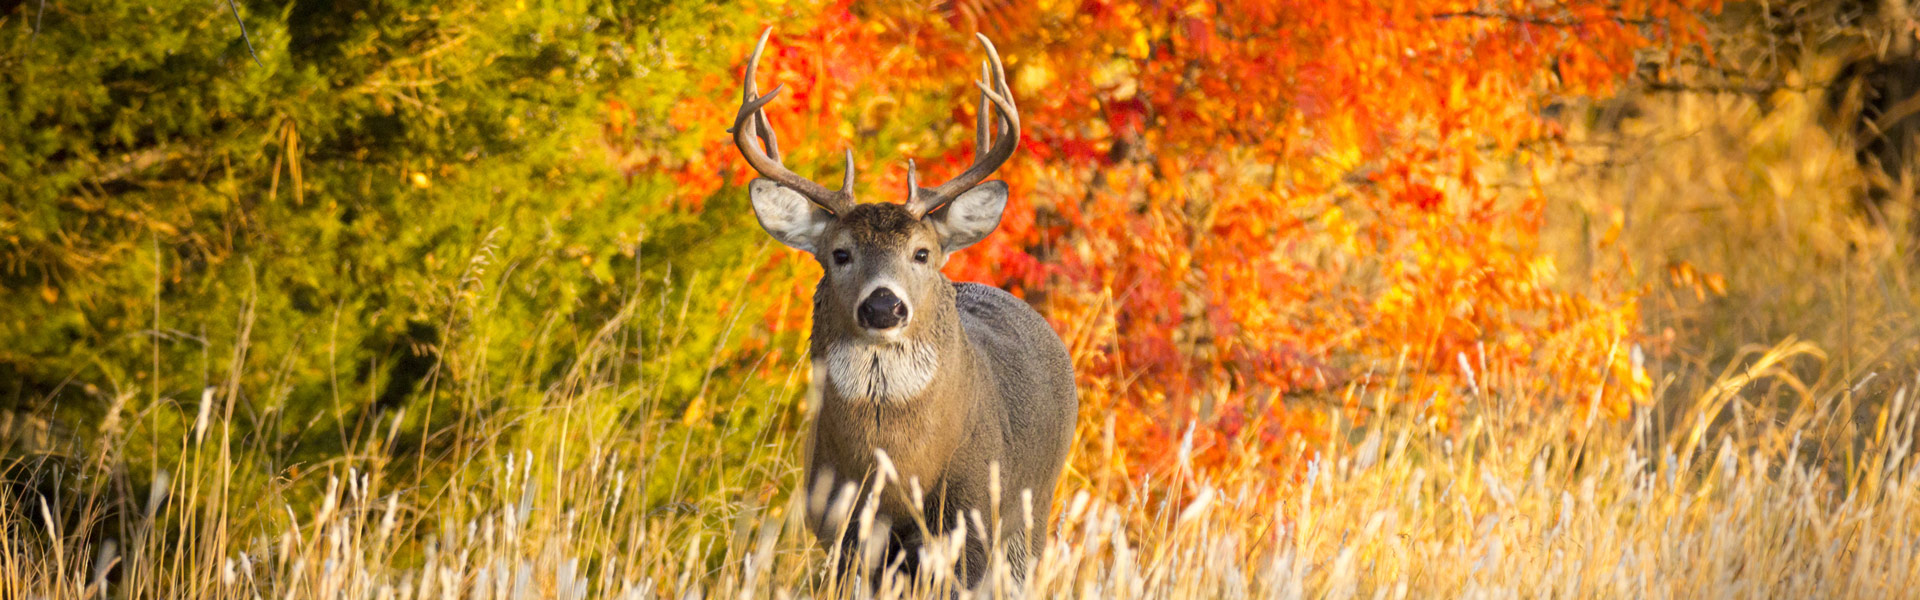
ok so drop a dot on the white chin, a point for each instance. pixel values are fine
(880, 371)
(894, 335)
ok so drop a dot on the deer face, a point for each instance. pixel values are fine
(881, 263)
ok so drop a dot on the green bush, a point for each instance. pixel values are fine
(398, 199)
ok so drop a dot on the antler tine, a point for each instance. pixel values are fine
(846, 180)
(752, 122)
(913, 184)
(1000, 95)
(762, 126)
(982, 121)
(1009, 113)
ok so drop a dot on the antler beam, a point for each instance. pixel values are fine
(752, 122)
(989, 151)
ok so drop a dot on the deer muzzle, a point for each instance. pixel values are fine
(882, 310)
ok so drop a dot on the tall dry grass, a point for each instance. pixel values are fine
(1719, 498)
(1746, 214)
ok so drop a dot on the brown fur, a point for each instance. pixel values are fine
(963, 386)
(1002, 393)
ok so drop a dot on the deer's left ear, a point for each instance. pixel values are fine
(969, 217)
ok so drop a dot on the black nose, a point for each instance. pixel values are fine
(882, 310)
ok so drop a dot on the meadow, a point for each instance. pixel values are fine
(448, 300)
(1745, 483)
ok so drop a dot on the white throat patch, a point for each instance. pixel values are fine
(880, 372)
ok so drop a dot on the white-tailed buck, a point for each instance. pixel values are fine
(964, 388)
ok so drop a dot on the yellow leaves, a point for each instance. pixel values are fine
(1139, 46)
(1396, 299)
(1033, 77)
(1457, 91)
(1346, 232)
(601, 270)
(419, 180)
(49, 294)
(1115, 76)
(1541, 270)
(696, 411)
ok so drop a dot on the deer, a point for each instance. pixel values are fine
(959, 394)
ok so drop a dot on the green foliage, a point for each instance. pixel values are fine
(400, 197)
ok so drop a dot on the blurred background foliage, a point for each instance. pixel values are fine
(423, 222)
(400, 209)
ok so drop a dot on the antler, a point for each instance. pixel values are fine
(921, 201)
(752, 121)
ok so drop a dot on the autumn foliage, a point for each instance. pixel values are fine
(1225, 205)
(1239, 214)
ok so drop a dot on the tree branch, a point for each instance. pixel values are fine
(1533, 19)
(243, 33)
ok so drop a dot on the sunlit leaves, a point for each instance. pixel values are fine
(1238, 201)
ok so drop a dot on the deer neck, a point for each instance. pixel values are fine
(863, 370)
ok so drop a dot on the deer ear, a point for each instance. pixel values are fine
(969, 217)
(787, 215)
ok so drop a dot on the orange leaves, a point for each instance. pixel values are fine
(1688, 277)
(1242, 201)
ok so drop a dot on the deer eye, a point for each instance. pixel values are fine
(920, 256)
(841, 257)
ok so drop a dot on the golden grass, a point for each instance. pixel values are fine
(1755, 197)
(1718, 498)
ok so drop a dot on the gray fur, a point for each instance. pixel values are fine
(975, 380)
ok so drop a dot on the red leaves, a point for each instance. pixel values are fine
(1243, 199)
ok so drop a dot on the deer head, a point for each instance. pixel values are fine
(882, 261)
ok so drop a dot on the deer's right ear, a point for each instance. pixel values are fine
(787, 215)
